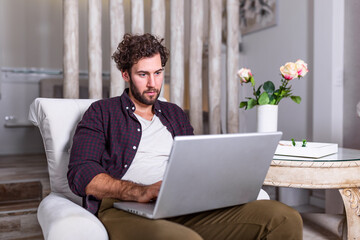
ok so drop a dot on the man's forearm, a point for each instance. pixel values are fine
(105, 186)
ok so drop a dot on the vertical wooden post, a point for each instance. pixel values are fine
(215, 65)
(195, 62)
(94, 49)
(158, 13)
(158, 18)
(71, 49)
(232, 57)
(177, 52)
(117, 31)
(137, 16)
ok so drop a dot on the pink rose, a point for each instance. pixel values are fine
(244, 74)
(301, 67)
(289, 71)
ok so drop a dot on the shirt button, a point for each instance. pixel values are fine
(159, 110)
(134, 147)
(127, 108)
(138, 129)
(133, 108)
(125, 165)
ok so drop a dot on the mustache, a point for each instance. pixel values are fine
(152, 90)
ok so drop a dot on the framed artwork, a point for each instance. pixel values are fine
(256, 15)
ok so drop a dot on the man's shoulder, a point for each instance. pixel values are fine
(107, 102)
(168, 106)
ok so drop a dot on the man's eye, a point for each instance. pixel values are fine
(157, 73)
(142, 74)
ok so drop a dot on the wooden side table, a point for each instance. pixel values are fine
(337, 171)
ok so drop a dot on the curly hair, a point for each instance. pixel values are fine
(135, 47)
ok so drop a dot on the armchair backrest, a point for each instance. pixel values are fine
(57, 120)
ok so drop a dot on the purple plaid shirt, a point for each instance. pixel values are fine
(107, 138)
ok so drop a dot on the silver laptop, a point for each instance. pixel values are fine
(207, 172)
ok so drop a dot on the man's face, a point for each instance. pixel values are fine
(145, 80)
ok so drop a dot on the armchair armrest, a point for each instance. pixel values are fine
(61, 218)
(263, 195)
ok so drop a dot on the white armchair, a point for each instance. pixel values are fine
(60, 214)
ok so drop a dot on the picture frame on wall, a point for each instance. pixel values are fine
(257, 15)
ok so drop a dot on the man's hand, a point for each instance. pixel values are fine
(105, 186)
(140, 193)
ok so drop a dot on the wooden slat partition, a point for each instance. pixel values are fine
(232, 57)
(137, 16)
(215, 66)
(117, 31)
(195, 68)
(95, 49)
(177, 70)
(177, 52)
(71, 48)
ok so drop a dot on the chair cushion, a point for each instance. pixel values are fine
(57, 120)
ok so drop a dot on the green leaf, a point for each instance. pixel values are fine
(264, 98)
(251, 103)
(272, 102)
(271, 98)
(252, 81)
(269, 87)
(243, 104)
(293, 142)
(296, 99)
(258, 91)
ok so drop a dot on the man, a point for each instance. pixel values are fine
(120, 151)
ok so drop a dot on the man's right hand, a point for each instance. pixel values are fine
(140, 193)
(105, 186)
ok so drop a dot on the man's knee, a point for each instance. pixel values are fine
(283, 221)
(282, 212)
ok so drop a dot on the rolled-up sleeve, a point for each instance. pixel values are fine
(86, 152)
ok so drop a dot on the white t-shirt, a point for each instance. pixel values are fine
(152, 156)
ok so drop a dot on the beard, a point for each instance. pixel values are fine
(141, 96)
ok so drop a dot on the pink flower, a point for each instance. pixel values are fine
(244, 74)
(289, 71)
(301, 67)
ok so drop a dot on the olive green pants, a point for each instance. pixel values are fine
(263, 219)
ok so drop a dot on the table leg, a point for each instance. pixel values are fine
(351, 198)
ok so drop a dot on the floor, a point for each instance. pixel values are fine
(24, 180)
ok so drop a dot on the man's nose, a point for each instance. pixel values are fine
(151, 81)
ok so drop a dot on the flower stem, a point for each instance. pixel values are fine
(256, 96)
(282, 88)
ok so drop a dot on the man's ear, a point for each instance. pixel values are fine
(125, 76)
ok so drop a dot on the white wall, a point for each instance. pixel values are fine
(31, 38)
(351, 74)
(31, 33)
(265, 51)
(18, 91)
